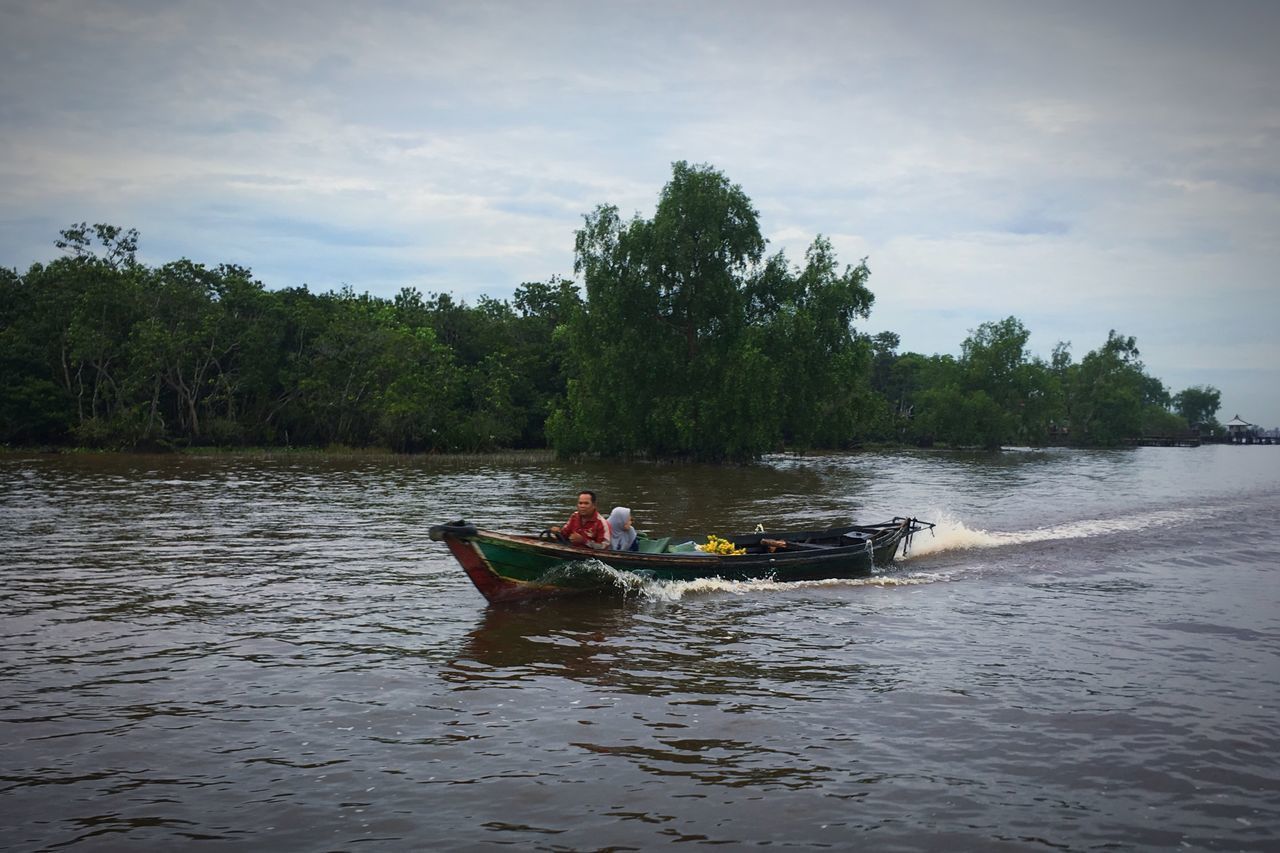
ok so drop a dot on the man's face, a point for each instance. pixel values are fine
(586, 506)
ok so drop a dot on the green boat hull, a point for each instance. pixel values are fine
(508, 567)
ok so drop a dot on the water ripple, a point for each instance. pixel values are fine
(267, 653)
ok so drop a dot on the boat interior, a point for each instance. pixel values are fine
(770, 543)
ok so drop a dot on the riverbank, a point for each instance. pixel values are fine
(546, 454)
(334, 451)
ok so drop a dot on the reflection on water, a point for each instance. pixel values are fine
(618, 649)
(686, 685)
(268, 652)
(511, 644)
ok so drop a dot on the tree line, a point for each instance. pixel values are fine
(684, 339)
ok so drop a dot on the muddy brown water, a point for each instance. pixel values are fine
(267, 652)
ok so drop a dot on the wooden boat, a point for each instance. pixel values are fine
(510, 567)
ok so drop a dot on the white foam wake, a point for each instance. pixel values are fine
(949, 534)
(952, 534)
(661, 590)
(652, 589)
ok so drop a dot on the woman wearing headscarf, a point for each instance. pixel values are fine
(622, 536)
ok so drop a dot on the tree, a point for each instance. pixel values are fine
(1023, 388)
(118, 245)
(1199, 405)
(823, 365)
(659, 359)
(684, 340)
(82, 308)
(539, 351)
(33, 406)
(993, 359)
(995, 394)
(884, 354)
(689, 343)
(1108, 392)
(191, 336)
(703, 238)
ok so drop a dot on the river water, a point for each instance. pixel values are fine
(267, 652)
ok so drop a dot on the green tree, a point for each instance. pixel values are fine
(884, 354)
(117, 247)
(509, 360)
(997, 362)
(702, 240)
(1199, 404)
(689, 343)
(83, 306)
(364, 376)
(539, 351)
(414, 402)
(685, 340)
(34, 408)
(659, 358)
(1109, 392)
(190, 339)
(823, 365)
(994, 394)
(992, 361)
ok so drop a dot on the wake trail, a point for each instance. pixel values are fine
(654, 590)
(952, 534)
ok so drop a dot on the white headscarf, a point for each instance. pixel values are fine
(620, 539)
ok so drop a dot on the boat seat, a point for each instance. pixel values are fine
(808, 546)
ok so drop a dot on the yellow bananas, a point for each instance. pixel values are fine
(717, 545)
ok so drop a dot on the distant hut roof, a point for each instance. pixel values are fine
(1237, 421)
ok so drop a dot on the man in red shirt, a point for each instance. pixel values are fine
(586, 526)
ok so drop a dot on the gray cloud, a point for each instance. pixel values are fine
(1083, 166)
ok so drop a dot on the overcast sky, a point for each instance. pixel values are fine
(1081, 166)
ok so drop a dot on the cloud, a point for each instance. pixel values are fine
(1084, 166)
